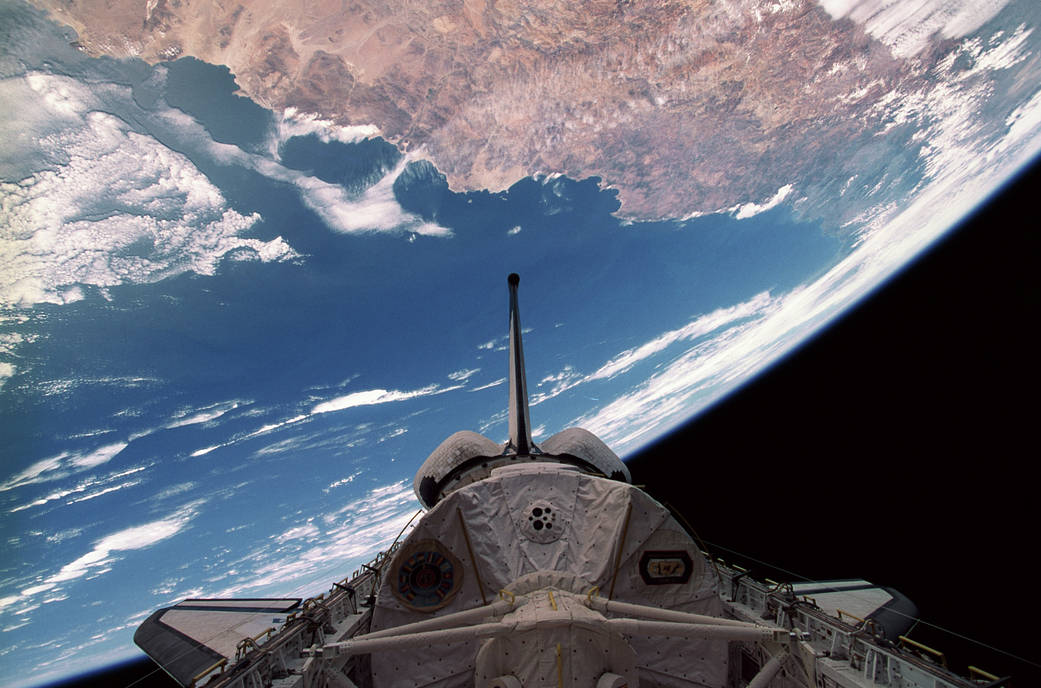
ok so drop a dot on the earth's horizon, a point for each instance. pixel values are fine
(240, 304)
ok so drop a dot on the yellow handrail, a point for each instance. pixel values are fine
(868, 623)
(560, 667)
(852, 616)
(976, 671)
(207, 671)
(247, 644)
(925, 648)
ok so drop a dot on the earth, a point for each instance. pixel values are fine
(253, 261)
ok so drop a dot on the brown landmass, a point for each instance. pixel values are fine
(682, 105)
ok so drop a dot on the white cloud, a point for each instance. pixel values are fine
(106, 490)
(341, 482)
(173, 491)
(105, 552)
(111, 207)
(747, 210)
(98, 456)
(203, 415)
(63, 535)
(40, 471)
(709, 368)
(100, 485)
(396, 432)
(463, 375)
(134, 538)
(295, 123)
(500, 343)
(1025, 119)
(62, 465)
(6, 372)
(699, 327)
(263, 430)
(378, 396)
(496, 383)
(556, 384)
(274, 426)
(308, 531)
(375, 210)
(67, 386)
(309, 557)
(300, 442)
(9, 341)
(959, 150)
(907, 27)
(718, 321)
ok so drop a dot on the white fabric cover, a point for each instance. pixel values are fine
(590, 515)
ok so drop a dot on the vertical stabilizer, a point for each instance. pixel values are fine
(520, 424)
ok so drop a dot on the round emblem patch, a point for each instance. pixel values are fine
(427, 576)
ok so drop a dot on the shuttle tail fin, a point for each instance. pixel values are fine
(520, 423)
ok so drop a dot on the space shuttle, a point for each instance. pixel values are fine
(544, 566)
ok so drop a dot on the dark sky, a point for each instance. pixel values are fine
(897, 446)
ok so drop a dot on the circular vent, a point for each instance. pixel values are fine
(540, 524)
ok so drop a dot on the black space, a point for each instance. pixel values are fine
(896, 446)
(139, 673)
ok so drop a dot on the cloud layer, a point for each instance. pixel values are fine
(62, 466)
(104, 553)
(111, 207)
(907, 27)
(104, 205)
(375, 210)
(306, 557)
(378, 396)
